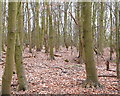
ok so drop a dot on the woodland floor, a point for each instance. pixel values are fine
(61, 77)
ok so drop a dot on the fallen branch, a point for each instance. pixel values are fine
(56, 55)
(73, 18)
(112, 70)
(2, 63)
(28, 56)
(107, 76)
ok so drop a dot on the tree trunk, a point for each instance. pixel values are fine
(111, 34)
(58, 29)
(101, 35)
(4, 28)
(0, 31)
(51, 35)
(18, 53)
(42, 25)
(92, 80)
(46, 30)
(65, 24)
(20, 24)
(8, 71)
(80, 20)
(117, 24)
(118, 61)
(29, 31)
(19, 65)
(38, 35)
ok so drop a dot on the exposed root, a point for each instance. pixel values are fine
(23, 88)
(91, 84)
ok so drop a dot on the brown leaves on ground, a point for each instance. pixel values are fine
(60, 77)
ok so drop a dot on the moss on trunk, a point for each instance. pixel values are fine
(8, 71)
(90, 66)
(101, 31)
(19, 65)
(37, 29)
(0, 31)
(51, 35)
(29, 31)
(18, 52)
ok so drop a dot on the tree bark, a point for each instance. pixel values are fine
(92, 79)
(38, 35)
(111, 34)
(117, 24)
(51, 34)
(19, 65)
(18, 52)
(0, 31)
(65, 24)
(81, 43)
(29, 31)
(46, 29)
(8, 71)
(101, 35)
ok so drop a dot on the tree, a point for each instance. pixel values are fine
(111, 33)
(58, 29)
(46, 29)
(0, 31)
(80, 20)
(18, 52)
(29, 31)
(42, 25)
(65, 24)
(4, 28)
(101, 35)
(51, 33)
(117, 24)
(8, 71)
(91, 80)
(38, 35)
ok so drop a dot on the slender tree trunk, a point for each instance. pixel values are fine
(25, 25)
(55, 25)
(92, 80)
(4, 28)
(33, 33)
(46, 30)
(94, 21)
(117, 13)
(18, 52)
(58, 29)
(43, 26)
(111, 34)
(51, 34)
(20, 23)
(38, 35)
(65, 24)
(29, 31)
(8, 71)
(101, 31)
(80, 20)
(0, 30)
(19, 65)
(118, 61)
